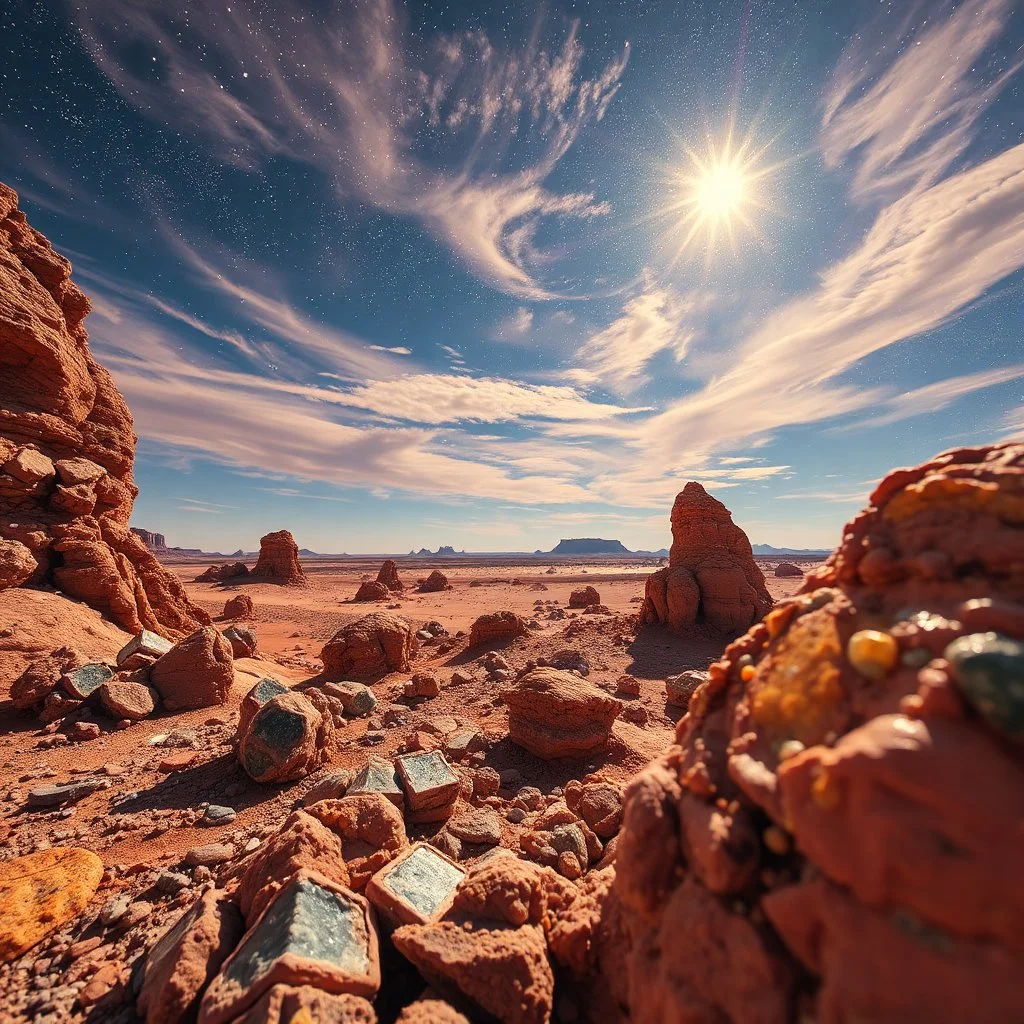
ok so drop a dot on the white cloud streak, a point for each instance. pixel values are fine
(354, 98)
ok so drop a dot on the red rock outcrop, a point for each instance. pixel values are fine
(388, 577)
(371, 590)
(435, 583)
(368, 648)
(67, 448)
(788, 569)
(239, 607)
(279, 560)
(837, 831)
(711, 575)
(584, 597)
(219, 573)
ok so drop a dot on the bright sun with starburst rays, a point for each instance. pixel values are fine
(715, 197)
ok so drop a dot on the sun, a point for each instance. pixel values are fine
(713, 197)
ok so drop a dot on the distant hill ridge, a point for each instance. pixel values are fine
(766, 550)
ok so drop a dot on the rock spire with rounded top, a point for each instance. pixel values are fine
(279, 560)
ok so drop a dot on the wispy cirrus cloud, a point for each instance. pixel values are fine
(904, 121)
(657, 320)
(388, 119)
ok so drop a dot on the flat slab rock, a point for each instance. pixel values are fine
(314, 932)
(144, 642)
(417, 887)
(480, 825)
(60, 793)
(378, 776)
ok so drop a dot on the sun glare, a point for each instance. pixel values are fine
(714, 196)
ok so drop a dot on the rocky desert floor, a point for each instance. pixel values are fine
(168, 805)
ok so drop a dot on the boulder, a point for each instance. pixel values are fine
(497, 626)
(788, 569)
(265, 689)
(196, 672)
(279, 560)
(372, 591)
(680, 688)
(242, 640)
(388, 577)
(422, 684)
(368, 648)
(41, 892)
(584, 597)
(239, 607)
(67, 444)
(711, 575)
(357, 699)
(186, 957)
(290, 736)
(435, 583)
(860, 758)
(556, 714)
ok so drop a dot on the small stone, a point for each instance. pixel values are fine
(629, 685)
(481, 826)
(463, 742)
(516, 815)
(448, 844)
(84, 731)
(65, 792)
(872, 653)
(416, 887)
(79, 683)
(209, 854)
(423, 684)
(145, 643)
(357, 698)
(171, 882)
(177, 762)
(113, 911)
(242, 640)
(680, 688)
(216, 814)
(331, 787)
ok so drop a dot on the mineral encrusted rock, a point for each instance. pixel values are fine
(67, 449)
(837, 833)
(711, 575)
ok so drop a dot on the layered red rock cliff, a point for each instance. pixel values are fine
(67, 449)
(837, 833)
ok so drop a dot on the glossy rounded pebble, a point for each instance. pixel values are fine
(989, 671)
(872, 653)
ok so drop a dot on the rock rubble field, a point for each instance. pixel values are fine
(315, 791)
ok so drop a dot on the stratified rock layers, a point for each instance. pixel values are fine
(67, 448)
(711, 576)
(836, 834)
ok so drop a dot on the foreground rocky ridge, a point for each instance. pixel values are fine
(835, 831)
(67, 449)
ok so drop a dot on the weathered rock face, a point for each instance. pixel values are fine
(279, 560)
(557, 714)
(67, 448)
(836, 834)
(711, 575)
(153, 541)
(368, 648)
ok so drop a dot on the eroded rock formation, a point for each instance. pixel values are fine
(67, 449)
(711, 575)
(279, 560)
(836, 834)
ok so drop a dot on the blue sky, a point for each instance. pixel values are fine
(393, 275)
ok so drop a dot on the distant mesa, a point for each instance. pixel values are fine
(444, 551)
(153, 541)
(767, 551)
(589, 546)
